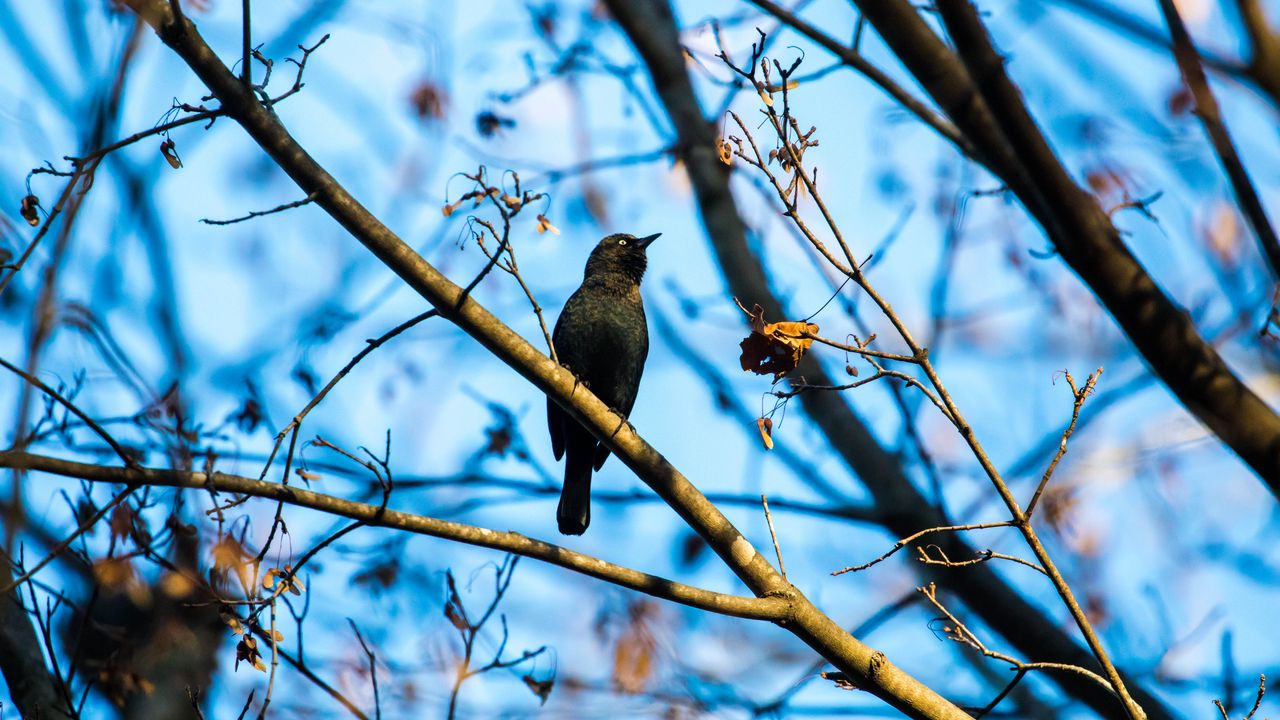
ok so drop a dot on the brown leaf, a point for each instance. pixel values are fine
(429, 101)
(766, 431)
(1181, 101)
(170, 152)
(247, 650)
(229, 554)
(633, 656)
(774, 347)
(229, 617)
(29, 211)
(544, 225)
(726, 152)
(541, 688)
(121, 522)
(176, 585)
(453, 606)
(489, 124)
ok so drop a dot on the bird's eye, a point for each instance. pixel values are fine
(622, 242)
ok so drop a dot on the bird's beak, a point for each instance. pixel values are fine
(645, 241)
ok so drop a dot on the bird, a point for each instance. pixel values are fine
(602, 337)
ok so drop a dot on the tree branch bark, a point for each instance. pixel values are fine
(767, 608)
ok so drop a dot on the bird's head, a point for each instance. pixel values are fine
(620, 253)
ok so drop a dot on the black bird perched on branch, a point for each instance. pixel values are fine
(601, 337)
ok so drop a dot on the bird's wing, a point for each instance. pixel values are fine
(555, 423)
(602, 454)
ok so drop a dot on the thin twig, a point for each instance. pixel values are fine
(916, 536)
(89, 422)
(259, 213)
(1079, 397)
(768, 518)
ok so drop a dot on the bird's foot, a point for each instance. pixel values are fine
(622, 420)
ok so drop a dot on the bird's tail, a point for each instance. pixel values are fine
(574, 513)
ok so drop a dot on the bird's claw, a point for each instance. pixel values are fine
(622, 420)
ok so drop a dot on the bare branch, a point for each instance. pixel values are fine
(767, 608)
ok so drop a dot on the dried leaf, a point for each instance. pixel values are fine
(118, 575)
(231, 619)
(228, 554)
(176, 585)
(489, 124)
(726, 152)
(453, 606)
(1181, 101)
(544, 225)
(633, 656)
(247, 650)
(541, 688)
(774, 348)
(121, 522)
(766, 431)
(29, 210)
(429, 101)
(170, 152)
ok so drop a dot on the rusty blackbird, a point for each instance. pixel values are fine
(603, 339)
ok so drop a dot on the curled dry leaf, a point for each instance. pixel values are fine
(121, 522)
(764, 94)
(29, 211)
(288, 581)
(544, 225)
(170, 152)
(726, 151)
(429, 101)
(541, 688)
(229, 554)
(634, 654)
(774, 347)
(247, 650)
(448, 208)
(766, 431)
(229, 617)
